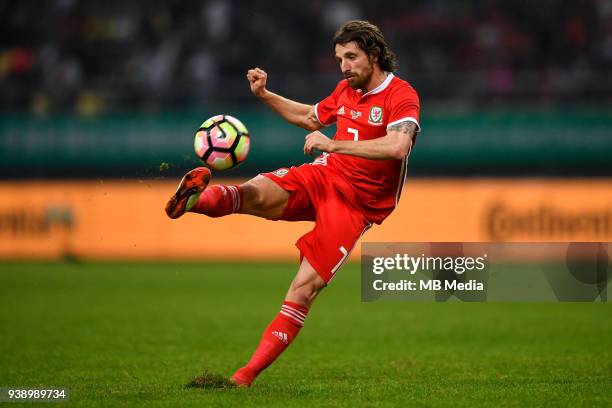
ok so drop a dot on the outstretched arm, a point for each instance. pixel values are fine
(296, 113)
(395, 144)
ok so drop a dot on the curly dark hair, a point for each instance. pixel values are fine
(370, 39)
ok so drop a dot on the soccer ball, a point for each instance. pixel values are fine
(222, 142)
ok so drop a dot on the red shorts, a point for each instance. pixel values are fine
(316, 197)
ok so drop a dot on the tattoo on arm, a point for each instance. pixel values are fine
(407, 127)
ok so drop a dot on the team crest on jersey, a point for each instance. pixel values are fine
(376, 115)
(280, 172)
(355, 114)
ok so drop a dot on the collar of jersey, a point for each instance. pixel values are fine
(380, 87)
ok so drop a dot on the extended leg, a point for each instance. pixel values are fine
(259, 196)
(305, 287)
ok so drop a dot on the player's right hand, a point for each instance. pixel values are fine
(257, 79)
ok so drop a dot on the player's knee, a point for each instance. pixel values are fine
(304, 292)
(252, 196)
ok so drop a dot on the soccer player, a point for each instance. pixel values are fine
(354, 183)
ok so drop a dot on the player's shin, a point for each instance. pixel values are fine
(219, 200)
(275, 339)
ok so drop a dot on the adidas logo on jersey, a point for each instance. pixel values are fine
(340, 111)
(281, 336)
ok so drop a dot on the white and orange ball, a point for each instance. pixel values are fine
(222, 142)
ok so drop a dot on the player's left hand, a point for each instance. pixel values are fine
(317, 141)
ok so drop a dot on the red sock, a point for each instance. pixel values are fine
(219, 200)
(276, 338)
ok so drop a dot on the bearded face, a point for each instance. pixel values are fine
(356, 66)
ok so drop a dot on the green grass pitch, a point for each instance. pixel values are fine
(128, 334)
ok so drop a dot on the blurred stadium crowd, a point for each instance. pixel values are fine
(99, 56)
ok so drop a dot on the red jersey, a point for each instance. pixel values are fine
(372, 185)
